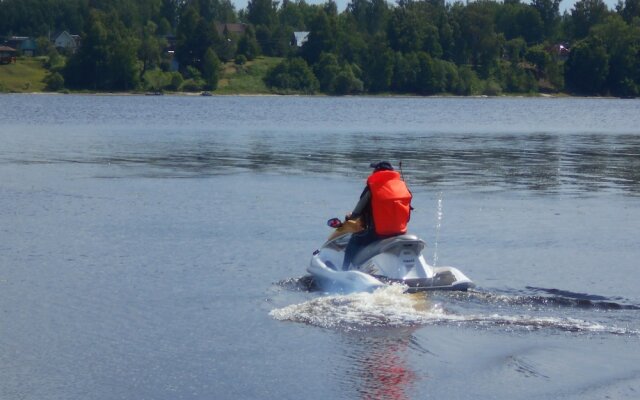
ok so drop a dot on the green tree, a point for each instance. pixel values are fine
(346, 82)
(248, 45)
(622, 43)
(292, 75)
(44, 46)
(281, 40)
(262, 12)
(291, 14)
(516, 20)
(124, 66)
(107, 60)
(321, 38)
(150, 51)
(156, 80)
(538, 56)
(586, 14)
(350, 44)
(405, 70)
(193, 81)
(468, 81)
(211, 69)
(587, 69)
(378, 67)
(431, 76)
(326, 70)
(227, 47)
(406, 31)
(175, 81)
(549, 11)
(194, 36)
(38, 17)
(88, 68)
(479, 36)
(54, 82)
(515, 50)
(370, 16)
(518, 79)
(629, 9)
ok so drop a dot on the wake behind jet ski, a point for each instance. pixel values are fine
(373, 246)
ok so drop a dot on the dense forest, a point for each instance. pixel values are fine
(411, 47)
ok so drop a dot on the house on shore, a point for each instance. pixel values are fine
(66, 42)
(299, 38)
(228, 29)
(23, 44)
(7, 55)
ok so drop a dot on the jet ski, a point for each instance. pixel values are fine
(397, 259)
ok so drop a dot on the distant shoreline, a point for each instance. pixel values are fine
(28, 75)
(383, 95)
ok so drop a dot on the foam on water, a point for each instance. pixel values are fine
(386, 306)
(392, 307)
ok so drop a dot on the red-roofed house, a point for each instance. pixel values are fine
(7, 55)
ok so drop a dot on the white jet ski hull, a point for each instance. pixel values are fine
(398, 259)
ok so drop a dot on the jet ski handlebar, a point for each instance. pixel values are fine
(334, 223)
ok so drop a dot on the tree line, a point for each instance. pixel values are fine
(412, 47)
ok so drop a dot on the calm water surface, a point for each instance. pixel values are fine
(155, 248)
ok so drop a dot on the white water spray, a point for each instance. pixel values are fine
(438, 225)
(390, 306)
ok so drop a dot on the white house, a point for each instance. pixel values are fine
(300, 38)
(67, 41)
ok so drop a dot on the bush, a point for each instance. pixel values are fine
(292, 75)
(193, 73)
(193, 85)
(326, 70)
(492, 88)
(519, 80)
(176, 81)
(248, 45)
(241, 60)
(468, 82)
(346, 82)
(156, 80)
(54, 82)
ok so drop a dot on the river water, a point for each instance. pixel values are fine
(155, 248)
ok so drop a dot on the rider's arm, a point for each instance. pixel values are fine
(365, 198)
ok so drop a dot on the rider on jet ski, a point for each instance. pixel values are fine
(384, 208)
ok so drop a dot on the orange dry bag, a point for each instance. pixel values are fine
(390, 202)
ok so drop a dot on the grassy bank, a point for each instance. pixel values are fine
(246, 79)
(25, 76)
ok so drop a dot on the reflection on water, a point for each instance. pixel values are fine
(543, 145)
(378, 365)
(537, 162)
(545, 163)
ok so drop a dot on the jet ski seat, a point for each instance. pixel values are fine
(380, 246)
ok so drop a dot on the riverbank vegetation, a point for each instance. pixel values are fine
(421, 47)
(26, 75)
